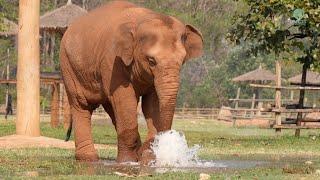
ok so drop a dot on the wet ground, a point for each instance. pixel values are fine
(292, 166)
(201, 167)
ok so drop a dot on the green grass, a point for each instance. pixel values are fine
(218, 141)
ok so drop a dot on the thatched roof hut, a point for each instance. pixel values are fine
(258, 75)
(10, 28)
(313, 79)
(59, 19)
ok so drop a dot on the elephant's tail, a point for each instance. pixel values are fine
(69, 131)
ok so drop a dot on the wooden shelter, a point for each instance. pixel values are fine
(9, 31)
(10, 28)
(313, 79)
(302, 114)
(53, 79)
(257, 75)
(59, 19)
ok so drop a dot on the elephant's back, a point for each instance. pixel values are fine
(99, 18)
(86, 35)
(83, 45)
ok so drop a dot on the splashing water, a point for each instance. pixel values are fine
(171, 149)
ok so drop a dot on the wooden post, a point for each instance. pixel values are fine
(183, 111)
(236, 106)
(278, 96)
(55, 105)
(8, 77)
(44, 47)
(212, 113)
(291, 96)
(52, 48)
(260, 103)
(66, 111)
(28, 75)
(301, 98)
(253, 104)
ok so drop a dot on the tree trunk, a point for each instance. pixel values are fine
(301, 98)
(28, 75)
(46, 48)
(278, 96)
(52, 48)
(55, 105)
(8, 77)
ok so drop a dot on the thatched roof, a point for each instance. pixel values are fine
(10, 28)
(256, 75)
(62, 17)
(313, 79)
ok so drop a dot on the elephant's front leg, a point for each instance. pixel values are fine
(83, 138)
(124, 103)
(151, 111)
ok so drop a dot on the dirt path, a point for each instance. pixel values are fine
(17, 141)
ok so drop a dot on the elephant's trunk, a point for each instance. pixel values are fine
(167, 86)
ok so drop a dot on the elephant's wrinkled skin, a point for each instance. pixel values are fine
(116, 54)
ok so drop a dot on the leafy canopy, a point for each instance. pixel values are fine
(290, 28)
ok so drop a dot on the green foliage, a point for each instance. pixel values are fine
(288, 28)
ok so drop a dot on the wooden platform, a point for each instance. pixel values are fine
(295, 127)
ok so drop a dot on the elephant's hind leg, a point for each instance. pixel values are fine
(85, 150)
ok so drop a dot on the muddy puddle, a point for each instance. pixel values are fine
(227, 165)
(108, 166)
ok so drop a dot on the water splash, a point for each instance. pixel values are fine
(171, 150)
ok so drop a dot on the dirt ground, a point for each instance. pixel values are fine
(17, 141)
(262, 123)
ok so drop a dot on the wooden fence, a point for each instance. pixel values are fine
(180, 113)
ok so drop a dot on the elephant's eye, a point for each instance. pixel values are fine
(152, 61)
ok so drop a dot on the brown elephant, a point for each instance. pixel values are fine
(116, 54)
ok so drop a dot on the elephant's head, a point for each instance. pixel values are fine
(157, 46)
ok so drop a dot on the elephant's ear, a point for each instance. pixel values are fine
(125, 43)
(193, 42)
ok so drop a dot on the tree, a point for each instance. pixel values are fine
(288, 28)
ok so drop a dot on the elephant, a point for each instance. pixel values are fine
(116, 54)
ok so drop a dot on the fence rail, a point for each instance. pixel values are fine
(180, 113)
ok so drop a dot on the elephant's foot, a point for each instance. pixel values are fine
(147, 157)
(127, 156)
(88, 156)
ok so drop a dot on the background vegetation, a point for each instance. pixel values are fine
(205, 82)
